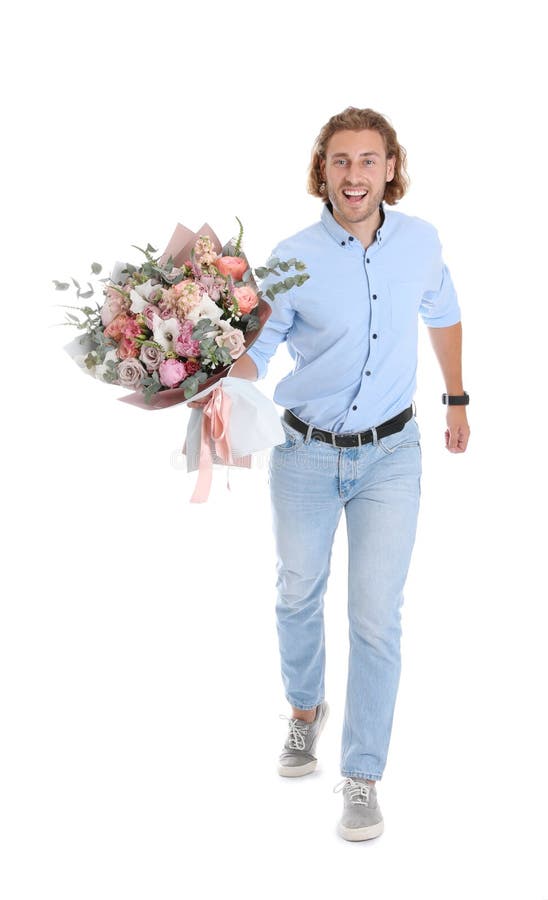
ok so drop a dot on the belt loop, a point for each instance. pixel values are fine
(359, 438)
(414, 408)
(308, 433)
(374, 433)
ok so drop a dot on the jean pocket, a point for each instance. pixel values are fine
(409, 436)
(293, 438)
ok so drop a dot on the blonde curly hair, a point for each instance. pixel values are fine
(354, 119)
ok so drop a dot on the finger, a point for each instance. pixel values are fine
(454, 436)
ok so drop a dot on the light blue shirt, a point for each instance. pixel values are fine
(352, 327)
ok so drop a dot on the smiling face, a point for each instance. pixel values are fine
(356, 171)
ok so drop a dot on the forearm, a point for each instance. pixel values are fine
(447, 344)
(244, 367)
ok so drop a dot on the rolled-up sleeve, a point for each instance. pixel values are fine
(277, 325)
(439, 305)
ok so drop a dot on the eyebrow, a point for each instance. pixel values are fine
(369, 153)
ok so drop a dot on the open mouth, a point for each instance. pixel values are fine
(354, 197)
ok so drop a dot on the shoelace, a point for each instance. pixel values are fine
(297, 730)
(357, 791)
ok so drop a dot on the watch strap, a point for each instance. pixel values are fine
(456, 399)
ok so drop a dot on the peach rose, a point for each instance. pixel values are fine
(247, 299)
(232, 265)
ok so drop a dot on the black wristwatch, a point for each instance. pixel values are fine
(455, 399)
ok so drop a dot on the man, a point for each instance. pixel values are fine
(352, 440)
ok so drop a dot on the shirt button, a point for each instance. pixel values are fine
(367, 260)
(374, 296)
(354, 407)
(350, 238)
(343, 243)
(374, 335)
(368, 372)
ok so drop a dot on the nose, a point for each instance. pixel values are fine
(354, 173)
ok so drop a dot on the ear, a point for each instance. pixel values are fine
(390, 168)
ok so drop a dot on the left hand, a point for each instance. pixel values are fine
(458, 430)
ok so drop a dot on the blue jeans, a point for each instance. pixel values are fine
(378, 486)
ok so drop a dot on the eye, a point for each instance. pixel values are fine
(370, 160)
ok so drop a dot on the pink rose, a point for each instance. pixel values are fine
(232, 265)
(149, 312)
(247, 299)
(171, 372)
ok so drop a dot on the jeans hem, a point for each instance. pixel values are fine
(303, 708)
(372, 776)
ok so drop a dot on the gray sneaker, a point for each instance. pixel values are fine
(362, 817)
(297, 757)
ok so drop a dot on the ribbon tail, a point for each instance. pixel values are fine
(205, 473)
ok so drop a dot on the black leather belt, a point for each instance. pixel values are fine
(350, 438)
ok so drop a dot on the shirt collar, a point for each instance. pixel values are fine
(338, 233)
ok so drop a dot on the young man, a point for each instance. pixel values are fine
(352, 440)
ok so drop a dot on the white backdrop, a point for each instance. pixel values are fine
(139, 659)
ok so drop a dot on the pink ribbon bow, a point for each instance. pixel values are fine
(215, 422)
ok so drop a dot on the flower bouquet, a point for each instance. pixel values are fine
(173, 327)
(175, 324)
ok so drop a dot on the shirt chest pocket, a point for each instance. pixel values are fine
(405, 299)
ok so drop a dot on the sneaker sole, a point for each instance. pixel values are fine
(294, 771)
(306, 768)
(361, 834)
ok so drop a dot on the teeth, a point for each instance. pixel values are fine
(354, 193)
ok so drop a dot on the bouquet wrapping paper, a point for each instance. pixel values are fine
(237, 421)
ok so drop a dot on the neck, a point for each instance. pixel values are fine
(365, 231)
